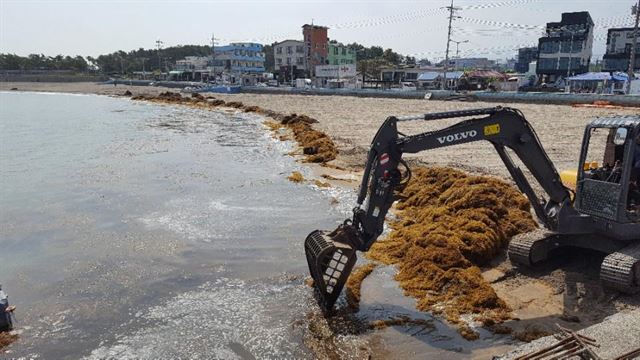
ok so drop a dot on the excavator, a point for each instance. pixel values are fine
(602, 213)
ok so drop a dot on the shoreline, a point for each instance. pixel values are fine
(349, 162)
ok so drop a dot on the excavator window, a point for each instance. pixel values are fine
(605, 156)
(605, 161)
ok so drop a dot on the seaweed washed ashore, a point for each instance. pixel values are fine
(317, 146)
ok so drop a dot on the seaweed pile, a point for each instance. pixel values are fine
(6, 339)
(449, 224)
(316, 145)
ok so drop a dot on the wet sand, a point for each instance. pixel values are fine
(565, 292)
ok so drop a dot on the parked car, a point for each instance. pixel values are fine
(406, 86)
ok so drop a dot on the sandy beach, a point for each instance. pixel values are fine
(560, 292)
(352, 122)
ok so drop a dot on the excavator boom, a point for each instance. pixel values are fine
(331, 256)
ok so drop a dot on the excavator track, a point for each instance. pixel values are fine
(529, 248)
(621, 270)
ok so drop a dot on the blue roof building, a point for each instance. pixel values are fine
(240, 58)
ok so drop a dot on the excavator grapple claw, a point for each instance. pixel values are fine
(330, 263)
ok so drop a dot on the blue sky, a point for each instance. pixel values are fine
(494, 28)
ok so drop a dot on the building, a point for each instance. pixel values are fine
(289, 58)
(336, 76)
(471, 63)
(566, 48)
(193, 63)
(191, 68)
(617, 56)
(238, 58)
(432, 80)
(316, 46)
(525, 56)
(398, 75)
(340, 54)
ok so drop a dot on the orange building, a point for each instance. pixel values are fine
(316, 46)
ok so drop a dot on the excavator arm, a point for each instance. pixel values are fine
(331, 256)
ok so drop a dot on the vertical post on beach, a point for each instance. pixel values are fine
(632, 58)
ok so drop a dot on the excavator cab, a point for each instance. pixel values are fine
(607, 183)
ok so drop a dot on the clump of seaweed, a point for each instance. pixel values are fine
(321, 184)
(6, 339)
(449, 223)
(317, 146)
(296, 177)
(235, 104)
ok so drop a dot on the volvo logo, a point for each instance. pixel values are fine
(458, 136)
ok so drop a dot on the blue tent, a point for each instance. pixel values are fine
(620, 76)
(591, 76)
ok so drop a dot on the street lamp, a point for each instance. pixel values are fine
(572, 32)
(458, 46)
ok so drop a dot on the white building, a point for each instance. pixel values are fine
(619, 43)
(289, 59)
(190, 63)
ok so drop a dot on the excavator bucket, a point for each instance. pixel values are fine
(330, 263)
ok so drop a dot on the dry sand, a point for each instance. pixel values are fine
(566, 291)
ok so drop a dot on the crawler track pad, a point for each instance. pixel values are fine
(330, 263)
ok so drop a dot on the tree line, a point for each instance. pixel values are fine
(116, 62)
(369, 59)
(42, 62)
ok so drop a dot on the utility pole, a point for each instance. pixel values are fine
(452, 11)
(632, 59)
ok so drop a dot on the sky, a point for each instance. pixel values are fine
(493, 28)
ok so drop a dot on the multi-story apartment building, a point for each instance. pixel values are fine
(340, 54)
(239, 58)
(526, 56)
(289, 58)
(316, 46)
(619, 43)
(190, 63)
(567, 47)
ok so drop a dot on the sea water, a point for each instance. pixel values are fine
(134, 230)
